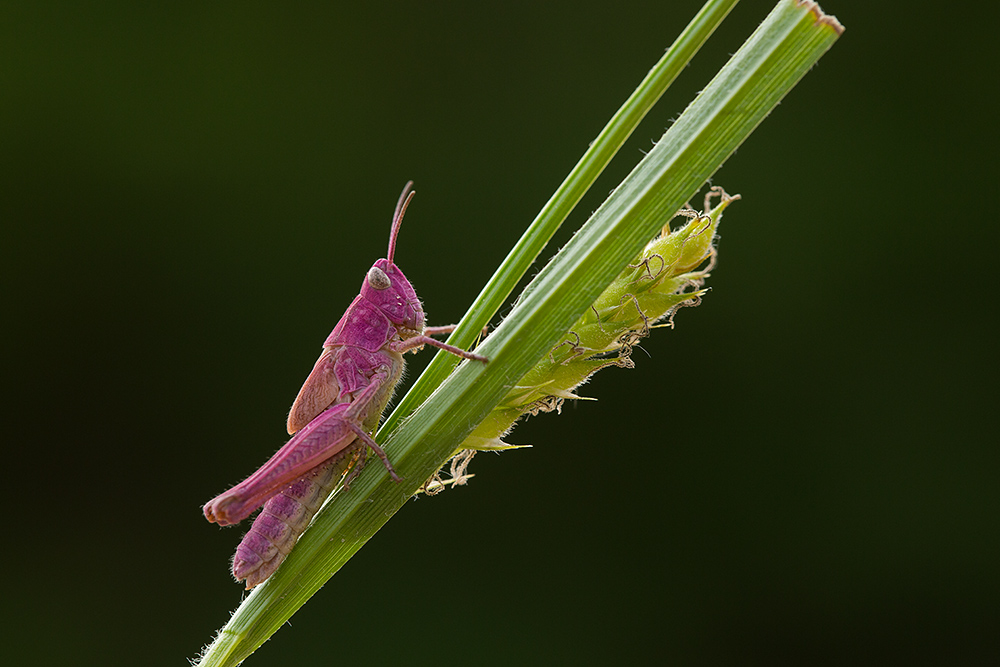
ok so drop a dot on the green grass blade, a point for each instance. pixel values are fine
(565, 198)
(777, 55)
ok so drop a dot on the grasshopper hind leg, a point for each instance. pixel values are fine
(359, 465)
(367, 439)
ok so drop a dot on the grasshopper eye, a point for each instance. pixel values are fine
(377, 279)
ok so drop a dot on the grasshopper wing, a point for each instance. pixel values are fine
(318, 392)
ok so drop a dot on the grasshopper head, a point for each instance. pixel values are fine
(387, 287)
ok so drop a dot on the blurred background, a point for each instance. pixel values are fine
(191, 194)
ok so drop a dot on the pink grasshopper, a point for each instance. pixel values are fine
(339, 404)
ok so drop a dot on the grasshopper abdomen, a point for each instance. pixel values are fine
(285, 517)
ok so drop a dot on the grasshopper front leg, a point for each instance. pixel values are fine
(415, 342)
(325, 436)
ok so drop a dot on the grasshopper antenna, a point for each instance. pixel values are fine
(397, 217)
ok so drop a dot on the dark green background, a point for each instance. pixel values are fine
(803, 472)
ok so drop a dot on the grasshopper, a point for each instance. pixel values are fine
(332, 417)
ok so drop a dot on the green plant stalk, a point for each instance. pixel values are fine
(562, 202)
(777, 55)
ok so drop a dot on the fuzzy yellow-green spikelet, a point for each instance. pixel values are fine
(662, 278)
